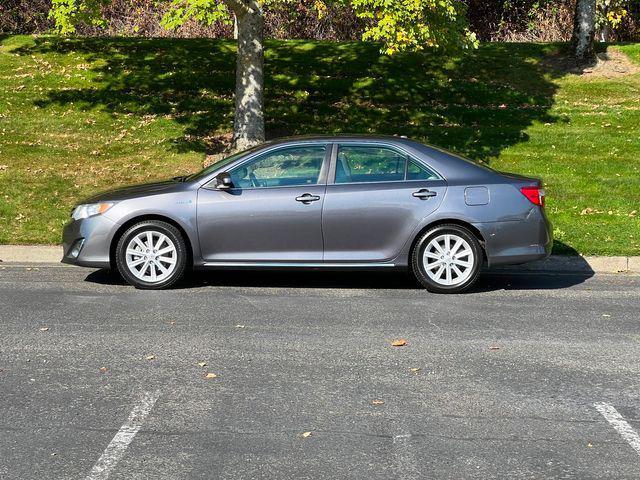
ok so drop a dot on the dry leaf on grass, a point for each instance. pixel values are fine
(150, 357)
(494, 347)
(239, 326)
(202, 364)
(44, 329)
(306, 434)
(104, 369)
(415, 369)
(401, 342)
(210, 375)
(378, 402)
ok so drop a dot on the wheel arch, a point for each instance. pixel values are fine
(141, 218)
(450, 221)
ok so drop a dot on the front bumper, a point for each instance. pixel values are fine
(95, 233)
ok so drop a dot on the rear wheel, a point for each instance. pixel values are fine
(151, 255)
(447, 259)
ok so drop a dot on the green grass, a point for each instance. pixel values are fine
(82, 115)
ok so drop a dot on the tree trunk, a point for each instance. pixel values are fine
(248, 128)
(584, 29)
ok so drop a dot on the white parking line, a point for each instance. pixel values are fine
(620, 424)
(115, 450)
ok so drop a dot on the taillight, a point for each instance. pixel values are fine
(534, 194)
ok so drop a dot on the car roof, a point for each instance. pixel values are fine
(448, 164)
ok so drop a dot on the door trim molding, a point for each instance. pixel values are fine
(298, 264)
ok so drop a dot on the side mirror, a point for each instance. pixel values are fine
(223, 181)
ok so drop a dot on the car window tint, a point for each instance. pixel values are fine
(357, 164)
(416, 171)
(284, 167)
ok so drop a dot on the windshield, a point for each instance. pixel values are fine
(222, 163)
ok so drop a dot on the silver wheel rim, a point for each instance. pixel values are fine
(151, 256)
(448, 260)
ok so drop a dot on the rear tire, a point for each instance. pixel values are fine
(151, 255)
(447, 259)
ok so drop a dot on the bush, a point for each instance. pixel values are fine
(24, 16)
(497, 20)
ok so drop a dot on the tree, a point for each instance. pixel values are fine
(584, 31)
(609, 16)
(398, 25)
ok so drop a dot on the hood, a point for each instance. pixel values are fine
(135, 191)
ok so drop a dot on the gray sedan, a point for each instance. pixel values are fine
(346, 202)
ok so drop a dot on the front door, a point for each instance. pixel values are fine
(272, 213)
(375, 203)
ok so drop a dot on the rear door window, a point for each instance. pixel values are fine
(359, 164)
(370, 163)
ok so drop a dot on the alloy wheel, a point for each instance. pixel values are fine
(448, 260)
(151, 256)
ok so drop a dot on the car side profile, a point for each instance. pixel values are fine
(342, 202)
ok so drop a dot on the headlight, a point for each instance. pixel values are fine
(90, 209)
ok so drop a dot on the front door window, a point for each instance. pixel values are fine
(286, 167)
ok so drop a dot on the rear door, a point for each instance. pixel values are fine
(272, 213)
(376, 196)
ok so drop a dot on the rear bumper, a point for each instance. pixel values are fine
(93, 235)
(516, 242)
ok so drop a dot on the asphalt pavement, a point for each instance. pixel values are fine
(256, 375)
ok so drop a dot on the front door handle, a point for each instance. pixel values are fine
(423, 194)
(307, 198)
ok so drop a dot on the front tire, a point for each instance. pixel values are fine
(151, 255)
(447, 259)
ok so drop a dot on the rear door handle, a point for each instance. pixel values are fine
(423, 194)
(307, 198)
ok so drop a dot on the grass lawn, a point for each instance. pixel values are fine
(81, 115)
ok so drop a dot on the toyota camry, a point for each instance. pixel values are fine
(344, 202)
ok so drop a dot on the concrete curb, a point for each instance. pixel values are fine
(30, 254)
(556, 263)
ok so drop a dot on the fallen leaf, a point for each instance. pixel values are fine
(590, 445)
(104, 369)
(415, 369)
(239, 326)
(378, 402)
(606, 315)
(306, 434)
(44, 329)
(494, 347)
(401, 342)
(202, 364)
(211, 375)
(150, 357)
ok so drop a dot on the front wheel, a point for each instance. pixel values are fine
(447, 259)
(151, 255)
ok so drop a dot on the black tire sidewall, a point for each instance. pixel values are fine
(418, 267)
(157, 226)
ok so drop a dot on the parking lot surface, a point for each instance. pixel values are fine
(247, 375)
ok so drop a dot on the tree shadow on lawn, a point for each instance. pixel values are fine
(476, 104)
